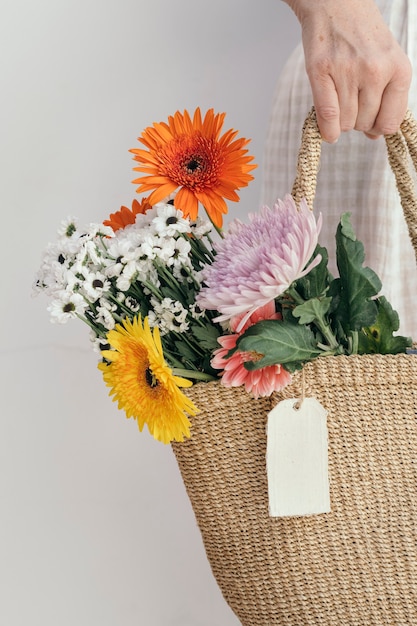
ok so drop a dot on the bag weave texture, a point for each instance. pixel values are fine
(356, 565)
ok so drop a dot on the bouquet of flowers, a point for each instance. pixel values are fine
(173, 300)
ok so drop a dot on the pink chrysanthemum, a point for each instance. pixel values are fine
(260, 382)
(257, 262)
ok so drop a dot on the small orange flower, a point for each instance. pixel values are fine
(191, 155)
(126, 216)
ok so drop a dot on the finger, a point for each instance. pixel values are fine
(326, 103)
(369, 102)
(372, 136)
(349, 105)
(392, 110)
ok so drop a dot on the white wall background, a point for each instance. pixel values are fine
(95, 525)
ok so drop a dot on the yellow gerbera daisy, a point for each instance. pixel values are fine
(191, 155)
(143, 384)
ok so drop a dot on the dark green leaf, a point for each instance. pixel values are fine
(184, 350)
(334, 294)
(357, 284)
(175, 294)
(379, 337)
(316, 282)
(286, 310)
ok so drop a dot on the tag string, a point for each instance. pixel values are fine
(299, 402)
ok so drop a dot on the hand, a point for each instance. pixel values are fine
(359, 74)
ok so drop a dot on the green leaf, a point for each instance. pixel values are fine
(287, 313)
(379, 337)
(184, 350)
(357, 284)
(293, 367)
(207, 336)
(316, 282)
(312, 309)
(278, 342)
(346, 227)
(175, 294)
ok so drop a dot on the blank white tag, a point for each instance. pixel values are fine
(297, 458)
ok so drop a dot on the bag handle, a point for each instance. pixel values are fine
(401, 146)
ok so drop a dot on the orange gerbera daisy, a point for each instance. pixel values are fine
(191, 155)
(126, 216)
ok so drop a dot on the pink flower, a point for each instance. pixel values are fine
(260, 382)
(256, 262)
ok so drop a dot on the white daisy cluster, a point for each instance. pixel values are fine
(168, 315)
(152, 267)
(71, 271)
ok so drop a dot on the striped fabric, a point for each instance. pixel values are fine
(354, 174)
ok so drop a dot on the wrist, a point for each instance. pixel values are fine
(302, 8)
(305, 9)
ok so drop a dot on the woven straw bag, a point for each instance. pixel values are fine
(356, 565)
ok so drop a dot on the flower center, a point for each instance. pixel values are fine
(68, 308)
(70, 230)
(254, 356)
(192, 162)
(151, 378)
(193, 165)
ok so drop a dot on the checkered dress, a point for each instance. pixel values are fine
(354, 174)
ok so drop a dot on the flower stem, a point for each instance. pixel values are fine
(320, 322)
(327, 333)
(217, 228)
(196, 375)
(354, 342)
